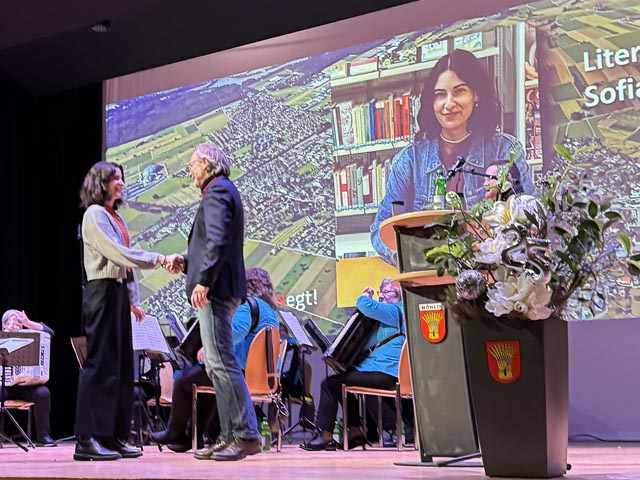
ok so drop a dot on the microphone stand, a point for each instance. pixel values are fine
(472, 171)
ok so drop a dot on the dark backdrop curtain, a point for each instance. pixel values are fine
(48, 144)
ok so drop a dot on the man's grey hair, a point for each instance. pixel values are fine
(7, 315)
(218, 163)
(387, 281)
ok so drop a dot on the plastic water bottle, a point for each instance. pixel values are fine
(338, 430)
(440, 184)
(265, 435)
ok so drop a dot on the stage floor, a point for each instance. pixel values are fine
(591, 461)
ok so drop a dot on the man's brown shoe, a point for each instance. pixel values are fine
(207, 453)
(238, 449)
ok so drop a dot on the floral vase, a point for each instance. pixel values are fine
(518, 378)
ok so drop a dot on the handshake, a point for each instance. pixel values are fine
(173, 263)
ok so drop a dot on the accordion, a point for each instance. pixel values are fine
(350, 342)
(28, 353)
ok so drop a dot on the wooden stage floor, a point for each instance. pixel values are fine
(591, 461)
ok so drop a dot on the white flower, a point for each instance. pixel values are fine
(521, 203)
(499, 216)
(491, 249)
(538, 302)
(523, 295)
(490, 252)
(512, 211)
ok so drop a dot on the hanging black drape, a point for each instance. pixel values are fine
(47, 145)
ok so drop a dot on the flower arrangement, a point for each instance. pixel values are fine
(525, 257)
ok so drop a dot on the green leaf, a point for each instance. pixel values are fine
(633, 266)
(563, 151)
(567, 260)
(625, 241)
(591, 227)
(593, 209)
(611, 215)
(569, 198)
(452, 267)
(561, 231)
(440, 271)
(531, 217)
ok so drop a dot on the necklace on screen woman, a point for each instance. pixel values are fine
(455, 141)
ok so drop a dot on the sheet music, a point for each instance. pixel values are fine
(295, 328)
(147, 335)
(13, 344)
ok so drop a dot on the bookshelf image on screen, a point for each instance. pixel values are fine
(375, 100)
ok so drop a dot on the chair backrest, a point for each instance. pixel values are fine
(404, 371)
(166, 382)
(281, 357)
(262, 362)
(79, 345)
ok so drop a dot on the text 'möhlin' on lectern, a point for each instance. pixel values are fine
(440, 390)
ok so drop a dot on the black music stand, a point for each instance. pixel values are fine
(148, 338)
(12, 354)
(304, 348)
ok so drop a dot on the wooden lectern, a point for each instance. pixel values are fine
(440, 390)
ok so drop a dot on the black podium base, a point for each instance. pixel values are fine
(446, 462)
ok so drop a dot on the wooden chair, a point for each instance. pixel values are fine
(79, 345)
(403, 390)
(18, 405)
(166, 387)
(262, 376)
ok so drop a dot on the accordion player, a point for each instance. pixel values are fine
(25, 347)
(376, 365)
(28, 346)
(32, 351)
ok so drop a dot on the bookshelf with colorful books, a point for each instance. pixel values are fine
(371, 121)
(375, 101)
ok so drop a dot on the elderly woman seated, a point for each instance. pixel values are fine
(14, 321)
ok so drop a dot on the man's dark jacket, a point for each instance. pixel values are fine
(214, 258)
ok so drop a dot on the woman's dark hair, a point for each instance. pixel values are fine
(485, 117)
(94, 186)
(259, 285)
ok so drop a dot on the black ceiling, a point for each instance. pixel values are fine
(48, 46)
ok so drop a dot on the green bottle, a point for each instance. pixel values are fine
(440, 184)
(265, 435)
(338, 431)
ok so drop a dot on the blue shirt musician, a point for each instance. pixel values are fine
(260, 288)
(378, 369)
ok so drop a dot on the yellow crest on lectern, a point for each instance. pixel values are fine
(433, 322)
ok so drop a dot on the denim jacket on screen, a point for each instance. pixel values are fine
(413, 171)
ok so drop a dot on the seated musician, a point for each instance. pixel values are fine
(493, 190)
(177, 437)
(378, 369)
(14, 321)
